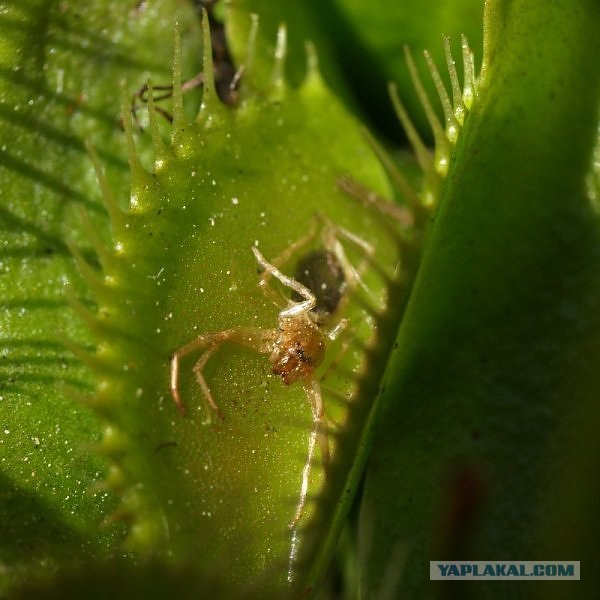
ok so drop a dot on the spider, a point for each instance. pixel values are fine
(306, 321)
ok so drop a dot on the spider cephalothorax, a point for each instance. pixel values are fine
(298, 349)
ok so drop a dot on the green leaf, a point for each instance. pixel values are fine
(60, 70)
(498, 347)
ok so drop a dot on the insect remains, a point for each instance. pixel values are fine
(226, 76)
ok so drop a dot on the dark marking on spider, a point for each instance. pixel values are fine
(321, 272)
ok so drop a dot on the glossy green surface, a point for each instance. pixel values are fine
(499, 341)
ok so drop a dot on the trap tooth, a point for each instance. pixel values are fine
(442, 146)
(160, 150)
(87, 316)
(454, 114)
(419, 147)
(338, 396)
(313, 73)
(114, 442)
(87, 400)
(211, 106)
(313, 80)
(469, 86)
(178, 114)
(90, 359)
(116, 479)
(105, 255)
(90, 275)
(400, 214)
(419, 212)
(278, 84)
(117, 216)
(424, 159)
(388, 276)
(140, 178)
(148, 529)
(452, 125)
(121, 515)
(457, 98)
(104, 405)
(248, 66)
(408, 247)
(101, 486)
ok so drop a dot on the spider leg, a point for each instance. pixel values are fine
(167, 91)
(338, 331)
(331, 235)
(296, 246)
(278, 262)
(259, 340)
(317, 434)
(313, 391)
(294, 308)
(203, 385)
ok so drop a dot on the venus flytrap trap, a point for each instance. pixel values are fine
(204, 204)
(246, 302)
(250, 473)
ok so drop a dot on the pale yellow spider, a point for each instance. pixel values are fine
(296, 347)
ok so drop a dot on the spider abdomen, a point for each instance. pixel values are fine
(321, 272)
